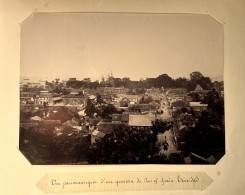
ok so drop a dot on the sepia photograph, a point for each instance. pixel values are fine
(121, 88)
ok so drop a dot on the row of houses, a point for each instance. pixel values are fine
(50, 98)
(75, 99)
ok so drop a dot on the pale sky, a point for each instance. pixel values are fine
(64, 45)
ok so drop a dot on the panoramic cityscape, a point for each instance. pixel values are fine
(125, 88)
(118, 121)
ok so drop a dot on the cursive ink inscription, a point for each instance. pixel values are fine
(187, 179)
(54, 182)
(127, 181)
(163, 181)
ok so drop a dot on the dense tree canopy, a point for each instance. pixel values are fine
(41, 145)
(127, 145)
(162, 80)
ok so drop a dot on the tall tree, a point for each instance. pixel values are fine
(181, 82)
(90, 109)
(107, 110)
(198, 78)
(196, 75)
(163, 81)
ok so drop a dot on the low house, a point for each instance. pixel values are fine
(104, 128)
(125, 116)
(124, 102)
(152, 91)
(132, 99)
(140, 121)
(199, 91)
(45, 97)
(198, 106)
(26, 97)
(74, 100)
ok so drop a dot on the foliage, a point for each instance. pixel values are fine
(107, 110)
(208, 136)
(90, 109)
(179, 103)
(163, 81)
(99, 99)
(184, 110)
(160, 126)
(146, 100)
(139, 87)
(83, 84)
(195, 97)
(46, 147)
(127, 145)
(62, 113)
(198, 78)
(180, 82)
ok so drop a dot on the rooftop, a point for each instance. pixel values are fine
(193, 104)
(139, 121)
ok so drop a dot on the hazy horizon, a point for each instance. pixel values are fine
(216, 78)
(80, 45)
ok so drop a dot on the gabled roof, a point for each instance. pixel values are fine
(139, 121)
(94, 121)
(198, 88)
(71, 123)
